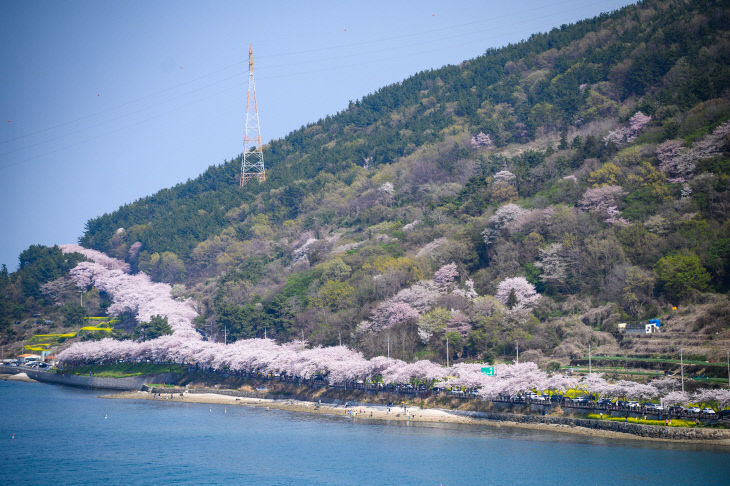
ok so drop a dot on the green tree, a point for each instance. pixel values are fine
(456, 344)
(334, 269)
(73, 314)
(156, 327)
(511, 299)
(163, 267)
(681, 273)
(435, 321)
(334, 295)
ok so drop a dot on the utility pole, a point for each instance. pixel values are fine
(302, 334)
(81, 294)
(264, 333)
(589, 359)
(681, 366)
(518, 351)
(225, 334)
(727, 355)
(252, 160)
(388, 345)
(447, 350)
(340, 334)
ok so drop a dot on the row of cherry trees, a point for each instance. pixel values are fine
(337, 364)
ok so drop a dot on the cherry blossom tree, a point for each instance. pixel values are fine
(715, 398)
(599, 199)
(336, 364)
(522, 290)
(97, 256)
(505, 177)
(445, 276)
(676, 398)
(502, 217)
(389, 314)
(627, 134)
(481, 139)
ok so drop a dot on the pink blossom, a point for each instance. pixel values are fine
(676, 398)
(97, 256)
(481, 140)
(599, 199)
(627, 134)
(445, 276)
(524, 291)
(389, 314)
(504, 176)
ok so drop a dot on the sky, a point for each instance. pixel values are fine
(104, 102)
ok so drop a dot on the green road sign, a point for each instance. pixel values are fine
(488, 370)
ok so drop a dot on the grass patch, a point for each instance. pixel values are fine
(615, 371)
(124, 370)
(633, 420)
(655, 360)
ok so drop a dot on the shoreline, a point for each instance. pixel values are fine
(381, 413)
(17, 377)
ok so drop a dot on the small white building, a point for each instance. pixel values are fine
(638, 328)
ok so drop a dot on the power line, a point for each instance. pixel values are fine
(263, 66)
(236, 77)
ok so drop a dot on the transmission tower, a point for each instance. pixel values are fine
(252, 164)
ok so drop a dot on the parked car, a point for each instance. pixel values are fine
(581, 400)
(677, 409)
(694, 409)
(633, 404)
(654, 406)
(708, 411)
(605, 401)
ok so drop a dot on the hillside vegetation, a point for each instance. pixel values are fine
(538, 194)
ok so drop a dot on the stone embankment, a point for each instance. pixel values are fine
(641, 430)
(535, 415)
(89, 381)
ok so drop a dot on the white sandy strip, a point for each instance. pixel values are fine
(18, 377)
(414, 415)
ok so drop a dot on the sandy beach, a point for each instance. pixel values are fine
(366, 412)
(17, 377)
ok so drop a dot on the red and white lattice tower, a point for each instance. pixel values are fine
(252, 163)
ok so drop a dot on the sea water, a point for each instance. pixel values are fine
(56, 435)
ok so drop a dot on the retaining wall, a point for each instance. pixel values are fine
(642, 430)
(84, 381)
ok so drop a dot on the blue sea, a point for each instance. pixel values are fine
(70, 436)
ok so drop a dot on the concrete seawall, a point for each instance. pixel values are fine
(641, 430)
(500, 412)
(94, 382)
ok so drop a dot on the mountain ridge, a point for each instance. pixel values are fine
(591, 162)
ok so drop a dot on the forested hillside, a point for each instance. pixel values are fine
(539, 194)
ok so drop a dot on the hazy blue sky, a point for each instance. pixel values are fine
(104, 102)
